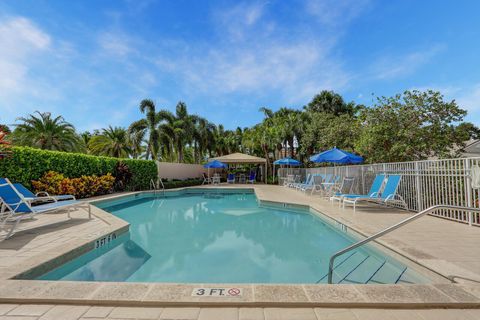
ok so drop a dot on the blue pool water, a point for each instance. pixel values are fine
(226, 238)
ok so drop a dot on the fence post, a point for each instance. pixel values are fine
(418, 186)
(468, 183)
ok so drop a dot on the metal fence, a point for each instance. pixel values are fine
(424, 183)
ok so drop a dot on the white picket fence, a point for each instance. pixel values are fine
(424, 183)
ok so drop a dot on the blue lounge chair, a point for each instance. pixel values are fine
(15, 207)
(388, 194)
(308, 182)
(40, 196)
(252, 177)
(345, 187)
(231, 178)
(316, 183)
(305, 182)
(372, 193)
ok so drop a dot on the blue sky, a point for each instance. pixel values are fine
(93, 61)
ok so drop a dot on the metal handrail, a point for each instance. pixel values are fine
(163, 186)
(392, 228)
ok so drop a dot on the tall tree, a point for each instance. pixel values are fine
(147, 126)
(41, 130)
(330, 102)
(412, 126)
(112, 142)
(178, 127)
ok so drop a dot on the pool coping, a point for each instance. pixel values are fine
(441, 295)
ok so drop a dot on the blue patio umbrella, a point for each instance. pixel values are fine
(288, 162)
(336, 155)
(215, 164)
(285, 161)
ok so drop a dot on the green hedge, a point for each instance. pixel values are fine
(182, 183)
(27, 164)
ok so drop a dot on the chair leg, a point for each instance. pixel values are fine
(14, 226)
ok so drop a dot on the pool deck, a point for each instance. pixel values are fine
(450, 249)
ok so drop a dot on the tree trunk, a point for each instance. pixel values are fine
(292, 151)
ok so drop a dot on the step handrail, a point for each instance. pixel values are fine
(392, 228)
(155, 185)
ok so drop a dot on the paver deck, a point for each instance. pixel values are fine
(449, 248)
(75, 312)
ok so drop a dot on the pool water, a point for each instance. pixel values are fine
(218, 237)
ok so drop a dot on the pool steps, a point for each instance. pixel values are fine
(361, 268)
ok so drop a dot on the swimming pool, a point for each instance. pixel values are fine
(226, 236)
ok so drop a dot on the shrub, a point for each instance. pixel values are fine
(27, 164)
(182, 183)
(83, 187)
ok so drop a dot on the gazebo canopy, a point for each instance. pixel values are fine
(240, 158)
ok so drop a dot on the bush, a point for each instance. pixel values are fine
(182, 183)
(83, 187)
(26, 164)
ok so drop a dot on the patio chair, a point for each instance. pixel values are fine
(15, 207)
(242, 178)
(388, 194)
(329, 186)
(216, 178)
(316, 183)
(345, 187)
(252, 177)
(306, 181)
(206, 179)
(41, 196)
(372, 193)
(231, 178)
(289, 181)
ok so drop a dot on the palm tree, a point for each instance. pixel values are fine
(202, 137)
(112, 142)
(41, 130)
(137, 144)
(178, 127)
(148, 125)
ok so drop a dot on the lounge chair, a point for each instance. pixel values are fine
(316, 183)
(388, 194)
(345, 187)
(252, 177)
(206, 179)
(305, 182)
(231, 178)
(41, 196)
(15, 207)
(329, 186)
(372, 193)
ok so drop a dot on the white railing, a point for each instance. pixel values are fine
(424, 183)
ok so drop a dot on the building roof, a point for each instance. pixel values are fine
(239, 158)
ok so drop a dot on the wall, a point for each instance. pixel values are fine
(181, 171)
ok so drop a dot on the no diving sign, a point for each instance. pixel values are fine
(217, 292)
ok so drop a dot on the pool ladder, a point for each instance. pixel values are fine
(390, 229)
(155, 186)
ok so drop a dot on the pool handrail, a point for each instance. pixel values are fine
(390, 229)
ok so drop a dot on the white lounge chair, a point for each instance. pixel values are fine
(15, 207)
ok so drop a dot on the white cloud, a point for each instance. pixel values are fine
(21, 41)
(391, 67)
(237, 22)
(336, 13)
(115, 44)
(470, 100)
